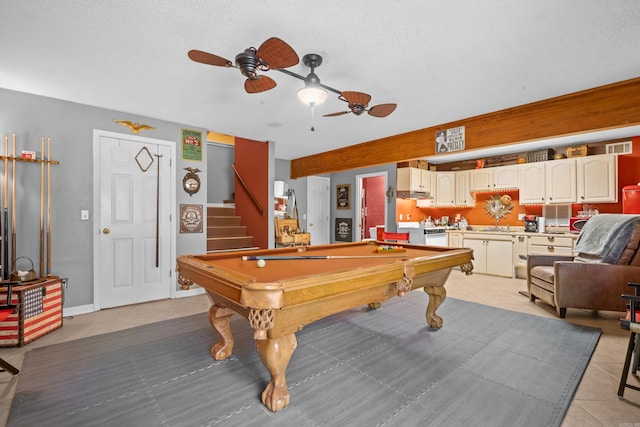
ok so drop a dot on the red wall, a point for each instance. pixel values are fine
(628, 174)
(252, 162)
(375, 200)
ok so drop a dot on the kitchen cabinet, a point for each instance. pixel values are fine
(550, 245)
(498, 178)
(414, 179)
(520, 243)
(445, 194)
(532, 183)
(454, 239)
(490, 252)
(463, 195)
(597, 178)
(548, 182)
(560, 181)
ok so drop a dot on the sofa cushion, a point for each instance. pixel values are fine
(543, 272)
(628, 254)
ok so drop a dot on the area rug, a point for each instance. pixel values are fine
(385, 367)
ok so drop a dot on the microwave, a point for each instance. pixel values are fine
(576, 223)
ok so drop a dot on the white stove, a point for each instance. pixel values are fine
(421, 235)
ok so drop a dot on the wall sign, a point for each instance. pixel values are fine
(344, 229)
(450, 140)
(191, 144)
(343, 196)
(190, 218)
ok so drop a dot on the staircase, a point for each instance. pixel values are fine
(224, 230)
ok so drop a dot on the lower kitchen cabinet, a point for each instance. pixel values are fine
(490, 252)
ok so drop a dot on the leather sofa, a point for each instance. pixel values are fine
(584, 281)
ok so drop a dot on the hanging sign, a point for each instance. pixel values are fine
(191, 144)
(450, 140)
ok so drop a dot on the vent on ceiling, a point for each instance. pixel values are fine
(619, 148)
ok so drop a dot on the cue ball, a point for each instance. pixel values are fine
(261, 263)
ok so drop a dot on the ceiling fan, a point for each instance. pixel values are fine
(272, 54)
(358, 103)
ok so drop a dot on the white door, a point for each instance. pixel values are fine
(133, 217)
(318, 209)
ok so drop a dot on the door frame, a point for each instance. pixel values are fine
(97, 216)
(358, 204)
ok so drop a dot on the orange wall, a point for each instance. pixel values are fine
(252, 162)
(628, 174)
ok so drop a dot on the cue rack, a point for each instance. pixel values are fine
(8, 199)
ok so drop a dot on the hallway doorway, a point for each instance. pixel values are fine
(371, 204)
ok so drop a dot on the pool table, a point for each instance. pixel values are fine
(309, 283)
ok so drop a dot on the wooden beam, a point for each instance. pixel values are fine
(605, 107)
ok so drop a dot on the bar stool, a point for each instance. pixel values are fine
(632, 323)
(6, 310)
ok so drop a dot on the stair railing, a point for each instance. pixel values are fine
(246, 188)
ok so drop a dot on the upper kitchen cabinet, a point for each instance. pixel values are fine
(414, 180)
(499, 178)
(589, 179)
(445, 189)
(548, 182)
(560, 181)
(597, 178)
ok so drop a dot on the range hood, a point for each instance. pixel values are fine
(412, 195)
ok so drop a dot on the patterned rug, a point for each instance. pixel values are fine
(486, 366)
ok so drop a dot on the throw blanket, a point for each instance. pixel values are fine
(604, 237)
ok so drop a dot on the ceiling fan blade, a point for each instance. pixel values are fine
(259, 84)
(355, 98)
(336, 114)
(382, 110)
(277, 54)
(208, 58)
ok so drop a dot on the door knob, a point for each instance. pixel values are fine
(106, 231)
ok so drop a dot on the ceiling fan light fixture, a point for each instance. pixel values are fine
(312, 95)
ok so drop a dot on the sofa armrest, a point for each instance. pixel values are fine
(548, 260)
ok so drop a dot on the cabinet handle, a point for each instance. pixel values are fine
(551, 248)
(551, 238)
(582, 197)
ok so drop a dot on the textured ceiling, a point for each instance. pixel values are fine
(440, 61)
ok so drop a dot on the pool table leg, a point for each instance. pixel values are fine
(219, 317)
(437, 295)
(275, 355)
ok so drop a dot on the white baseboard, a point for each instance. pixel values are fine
(189, 293)
(80, 309)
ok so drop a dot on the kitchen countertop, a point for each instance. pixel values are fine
(515, 231)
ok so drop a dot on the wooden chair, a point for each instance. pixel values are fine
(6, 310)
(631, 323)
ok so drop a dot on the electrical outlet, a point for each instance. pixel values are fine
(84, 215)
(521, 217)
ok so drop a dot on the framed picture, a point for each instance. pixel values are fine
(191, 144)
(344, 230)
(343, 196)
(190, 218)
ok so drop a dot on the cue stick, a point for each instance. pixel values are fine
(42, 210)
(5, 230)
(292, 257)
(13, 204)
(158, 213)
(48, 270)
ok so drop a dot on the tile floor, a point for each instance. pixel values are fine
(596, 402)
